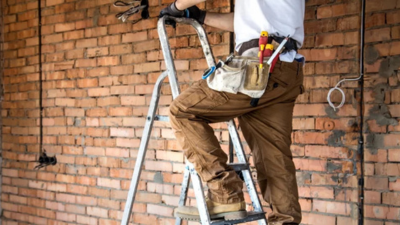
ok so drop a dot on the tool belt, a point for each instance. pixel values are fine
(291, 44)
(241, 74)
(246, 74)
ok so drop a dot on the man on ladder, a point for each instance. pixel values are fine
(266, 122)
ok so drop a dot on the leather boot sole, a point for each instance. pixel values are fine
(228, 216)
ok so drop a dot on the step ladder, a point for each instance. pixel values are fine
(242, 166)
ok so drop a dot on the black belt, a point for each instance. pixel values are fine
(291, 44)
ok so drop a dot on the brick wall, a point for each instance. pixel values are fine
(98, 75)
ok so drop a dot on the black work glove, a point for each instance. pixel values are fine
(193, 12)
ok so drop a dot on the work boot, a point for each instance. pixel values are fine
(231, 211)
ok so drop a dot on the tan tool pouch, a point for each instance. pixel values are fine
(242, 75)
(228, 78)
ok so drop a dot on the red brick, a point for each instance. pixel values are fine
(376, 19)
(144, 218)
(95, 32)
(160, 210)
(100, 51)
(99, 91)
(376, 183)
(55, 38)
(377, 35)
(133, 100)
(122, 90)
(123, 142)
(111, 122)
(97, 72)
(348, 23)
(84, 43)
(310, 165)
(393, 17)
(122, 132)
(86, 220)
(396, 32)
(395, 48)
(108, 61)
(110, 183)
(394, 155)
(119, 28)
(117, 70)
(331, 207)
(117, 152)
(109, 81)
(120, 111)
(61, 27)
(106, 101)
(84, 83)
(320, 54)
(65, 217)
(134, 58)
(110, 40)
(85, 103)
(85, 63)
(373, 197)
(134, 37)
(96, 112)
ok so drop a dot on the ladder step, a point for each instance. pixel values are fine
(238, 167)
(251, 216)
(161, 118)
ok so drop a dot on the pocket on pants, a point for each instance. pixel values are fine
(200, 98)
(286, 74)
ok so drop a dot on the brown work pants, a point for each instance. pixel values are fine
(267, 129)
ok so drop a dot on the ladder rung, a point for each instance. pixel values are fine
(251, 216)
(161, 118)
(239, 166)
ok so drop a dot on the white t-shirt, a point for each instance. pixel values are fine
(278, 17)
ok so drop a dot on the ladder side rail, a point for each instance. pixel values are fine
(184, 191)
(143, 148)
(169, 61)
(199, 193)
(246, 173)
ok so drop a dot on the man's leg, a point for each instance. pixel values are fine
(190, 115)
(191, 112)
(268, 133)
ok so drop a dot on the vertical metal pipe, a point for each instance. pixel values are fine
(40, 78)
(361, 138)
(231, 49)
(1, 80)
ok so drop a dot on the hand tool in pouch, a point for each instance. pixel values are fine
(212, 69)
(265, 50)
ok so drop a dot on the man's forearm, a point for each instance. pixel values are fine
(223, 21)
(184, 4)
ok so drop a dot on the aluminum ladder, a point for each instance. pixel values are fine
(258, 214)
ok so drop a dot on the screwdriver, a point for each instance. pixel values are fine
(262, 42)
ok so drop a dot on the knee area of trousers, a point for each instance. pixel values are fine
(173, 109)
